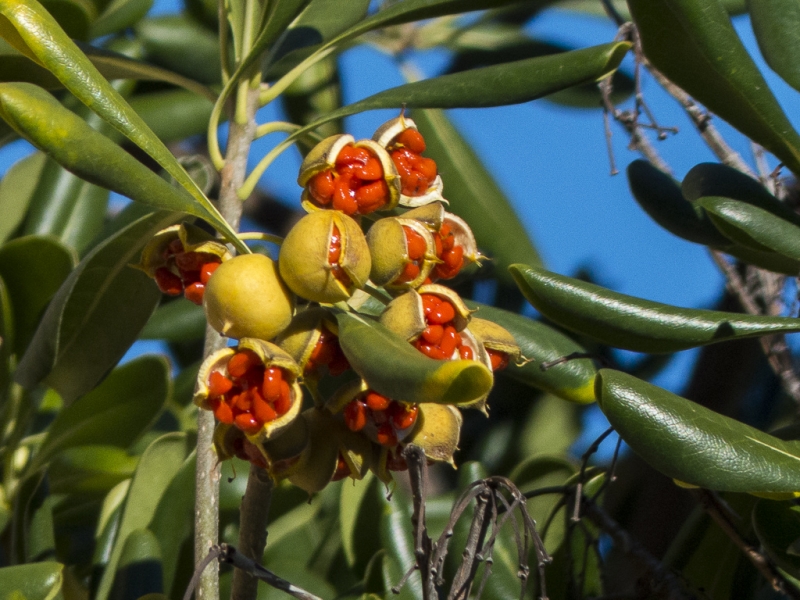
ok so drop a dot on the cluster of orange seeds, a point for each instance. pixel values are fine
(439, 339)
(417, 172)
(251, 395)
(327, 353)
(185, 273)
(387, 416)
(416, 253)
(355, 185)
(451, 255)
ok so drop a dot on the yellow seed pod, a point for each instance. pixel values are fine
(494, 337)
(437, 431)
(463, 313)
(405, 316)
(246, 297)
(325, 257)
(403, 253)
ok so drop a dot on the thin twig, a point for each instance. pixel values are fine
(230, 555)
(711, 503)
(252, 530)
(418, 474)
(462, 582)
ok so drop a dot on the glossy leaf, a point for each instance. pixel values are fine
(33, 269)
(34, 32)
(119, 14)
(776, 24)
(753, 227)
(16, 190)
(694, 45)
(632, 323)
(393, 367)
(34, 581)
(572, 380)
(176, 321)
(96, 315)
(777, 525)
(475, 196)
(89, 469)
(157, 467)
(173, 115)
(115, 413)
(690, 443)
(139, 569)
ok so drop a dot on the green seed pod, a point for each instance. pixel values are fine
(403, 253)
(325, 257)
(245, 297)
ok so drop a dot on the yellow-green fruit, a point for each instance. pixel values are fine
(245, 297)
(325, 257)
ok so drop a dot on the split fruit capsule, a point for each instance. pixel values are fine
(402, 251)
(325, 257)
(253, 387)
(356, 178)
(312, 341)
(419, 176)
(246, 298)
(182, 259)
(499, 343)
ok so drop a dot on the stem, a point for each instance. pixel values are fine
(207, 474)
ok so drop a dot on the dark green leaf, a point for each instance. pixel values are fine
(139, 569)
(157, 467)
(551, 427)
(632, 323)
(118, 15)
(115, 413)
(33, 31)
(40, 540)
(777, 525)
(173, 115)
(96, 315)
(35, 581)
(776, 24)
(73, 15)
(33, 268)
(753, 227)
(693, 444)
(7, 339)
(397, 539)
(572, 380)
(177, 321)
(393, 367)
(16, 191)
(89, 469)
(361, 507)
(694, 45)
(475, 196)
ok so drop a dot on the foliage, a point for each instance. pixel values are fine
(100, 456)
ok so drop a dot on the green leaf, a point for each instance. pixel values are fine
(157, 467)
(33, 268)
(475, 196)
(551, 426)
(393, 367)
(693, 444)
(115, 413)
(33, 31)
(73, 15)
(398, 541)
(572, 380)
(694, 44)
(753, 227)
(16, 191)
(173, 115)
(776, 24)
(632, 323)
(89, 470)
(139, 569)
(361, 509)
(34, 581)
(6, 339)
(118, 15)
(96, 315)
(777, 525)
(176, 321)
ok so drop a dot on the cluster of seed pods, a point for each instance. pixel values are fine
(388, 419)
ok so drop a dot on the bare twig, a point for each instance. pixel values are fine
(423, 549)
(710, 501)
(462, 582)
(252, 530)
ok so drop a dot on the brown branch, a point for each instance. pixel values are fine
(252, 530)
(712, 504)
(423, 547)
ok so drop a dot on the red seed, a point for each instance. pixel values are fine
(427, 168)
(194, 293)
(450, 341)
(499, 359)
(242, 402)
(350, 155)
(239, 363)
(342, 470)
(431, 351)
(355, 415)
(344, 200)
(403, 415)
(261, 408)
(218, 384)
(410, 273)
(247, 423)
(222, 411)
(323, 352)
(339, 364)
(192, 261)
(284, 403)
(429, 303)
(444, 313)
(375, 401)
(373, 195)
(411, 139)
(370, 171)
(173, 248)
(433, 334)
(321, 186)
(168, 282)
(386, 435)
(271, 388)
(466, 353)
(415, 244)
(207, 270)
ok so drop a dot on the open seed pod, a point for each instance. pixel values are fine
(356, 178)
(246, 298)
(325, 257)
(182, 259)
(311, 340)
(420, 181)
(230, 441)
(411, 313)
(253, 387)
(403, 253)
(498, 341)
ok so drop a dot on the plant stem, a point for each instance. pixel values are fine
(207, 475)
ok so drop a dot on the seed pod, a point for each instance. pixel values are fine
(498, 341)
(356, 178)
(437, 431)
(325, 257)
(245, 298)
(403, 253)
(181, 259)
(230, 441)
(420, 181)
(253, 387)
